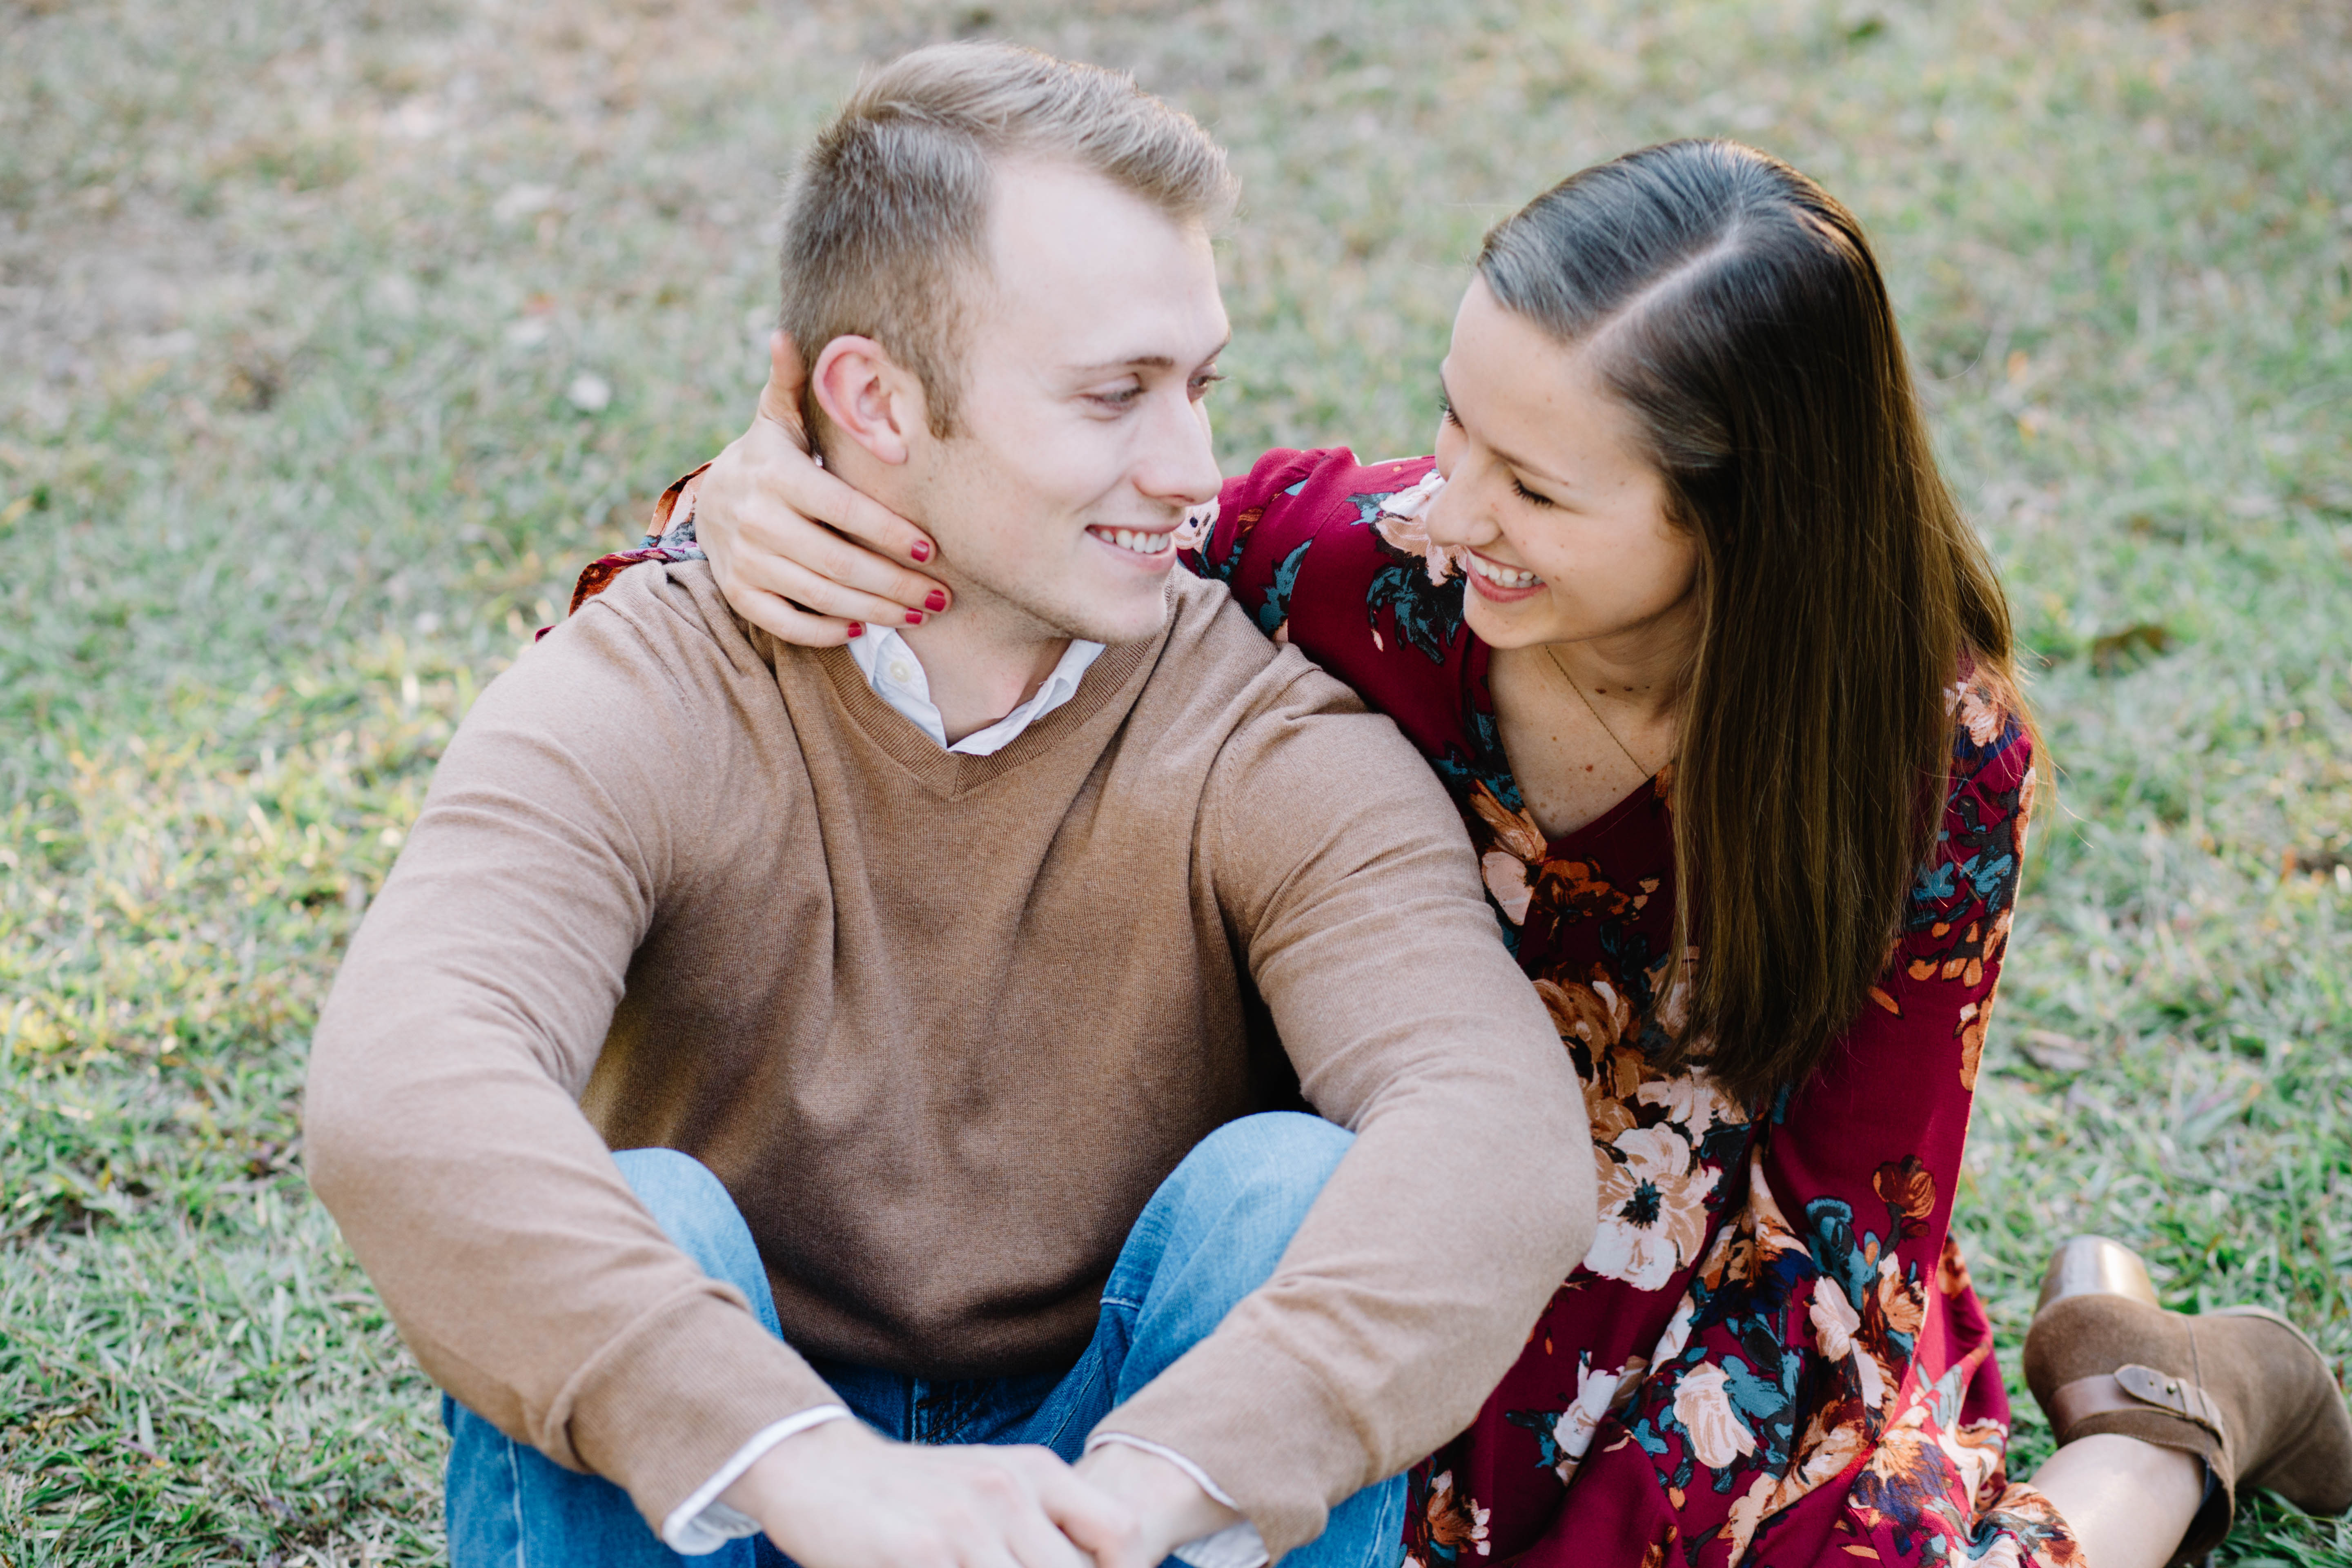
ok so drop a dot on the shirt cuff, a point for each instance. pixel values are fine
(1235, 1546)
(703, 1524)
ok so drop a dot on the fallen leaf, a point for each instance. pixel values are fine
(2111, 649)
(2049, 1049)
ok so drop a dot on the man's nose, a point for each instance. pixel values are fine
(1178, 463)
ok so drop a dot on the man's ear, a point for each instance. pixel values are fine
(870, 397)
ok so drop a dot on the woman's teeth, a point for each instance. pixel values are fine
(1503, 576)
(1141, 544)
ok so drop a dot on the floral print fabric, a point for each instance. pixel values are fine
(1772, 1354)
(671, 538)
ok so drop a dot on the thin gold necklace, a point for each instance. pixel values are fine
(1551, 654)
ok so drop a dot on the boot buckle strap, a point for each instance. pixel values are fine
(2134, 1387)
(2176, 1394)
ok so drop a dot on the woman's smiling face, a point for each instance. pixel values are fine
(1560, 514)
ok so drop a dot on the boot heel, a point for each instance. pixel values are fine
(2314, 1469)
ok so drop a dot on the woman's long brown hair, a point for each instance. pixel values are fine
(1735, 307)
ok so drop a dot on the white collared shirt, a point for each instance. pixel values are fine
(897, 676)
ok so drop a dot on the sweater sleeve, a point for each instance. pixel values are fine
(1467, 1195)
(443, 1120)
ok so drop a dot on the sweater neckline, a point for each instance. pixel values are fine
(955, 773)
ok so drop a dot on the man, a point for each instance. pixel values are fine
(915, 981)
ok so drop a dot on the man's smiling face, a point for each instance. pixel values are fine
(1082, 439)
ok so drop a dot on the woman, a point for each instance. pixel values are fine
(1686, 619)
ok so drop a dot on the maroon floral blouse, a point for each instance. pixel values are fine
(1772, 1354)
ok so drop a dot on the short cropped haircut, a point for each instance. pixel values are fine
(885, 222)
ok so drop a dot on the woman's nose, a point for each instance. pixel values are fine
(1455, 517)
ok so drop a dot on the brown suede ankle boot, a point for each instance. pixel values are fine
(2242, 1389)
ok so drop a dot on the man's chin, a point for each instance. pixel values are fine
(1141, 627)
(1114, 618)
(1103, 606)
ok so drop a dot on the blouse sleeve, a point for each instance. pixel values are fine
(1259, 522)
(1307, 545)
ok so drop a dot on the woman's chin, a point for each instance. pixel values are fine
(1521, 623)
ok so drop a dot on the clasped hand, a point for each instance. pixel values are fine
(839, 1496)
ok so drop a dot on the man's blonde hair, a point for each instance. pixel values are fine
(886, 223)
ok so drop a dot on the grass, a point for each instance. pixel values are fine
(304, 308)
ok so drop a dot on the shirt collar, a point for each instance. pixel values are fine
(888, 663)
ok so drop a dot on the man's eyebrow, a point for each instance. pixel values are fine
(1523, 466)
(1147, 362)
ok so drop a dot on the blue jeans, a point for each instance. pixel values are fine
(1211, 1234)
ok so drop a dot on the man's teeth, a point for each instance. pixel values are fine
(1503, 576)
(1128, 539)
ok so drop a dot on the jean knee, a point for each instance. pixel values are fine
(1214, 1231)
(694, 1210)
(1272, 1165)
(672, 1186)
(1274, 1149)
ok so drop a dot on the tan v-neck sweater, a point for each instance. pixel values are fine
(941, 1023)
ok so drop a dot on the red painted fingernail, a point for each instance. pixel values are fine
(856, 629)
(920, 550)
(935, 601)
(914, 617)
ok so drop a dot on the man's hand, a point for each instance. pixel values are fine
(1168, 1505)
(838, 1496)
(792, 547)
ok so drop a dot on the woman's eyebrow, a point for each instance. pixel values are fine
(1523, 466)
